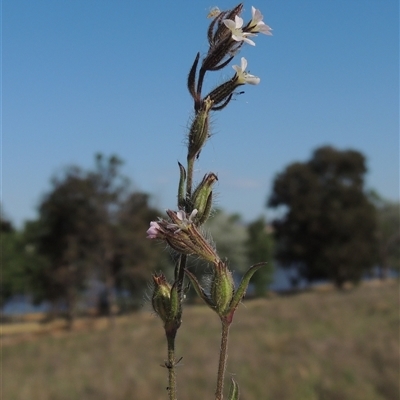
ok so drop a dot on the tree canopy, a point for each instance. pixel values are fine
(388, 213)
(91, 226)
(328, 227)
(260, 249)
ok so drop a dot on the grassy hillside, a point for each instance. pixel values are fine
(328, 345)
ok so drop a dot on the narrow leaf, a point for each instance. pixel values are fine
(241, 290)
(199, 290)
(234, 391)
(182, 187)
(191, 83)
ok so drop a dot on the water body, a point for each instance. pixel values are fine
(22, 304)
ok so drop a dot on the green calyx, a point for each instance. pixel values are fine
(161, 296)
(199, 131)
(222, 288)
(165, 302)
(223, 297)
(222, 95)
(221, 291)
(202, 198)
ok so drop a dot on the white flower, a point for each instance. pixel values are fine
(237, 32)
(180, 220)
(256, 24)
(244, 77)
(183, 216)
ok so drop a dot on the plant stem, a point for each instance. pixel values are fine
(171, 365)
(223, 356)
(189, 181)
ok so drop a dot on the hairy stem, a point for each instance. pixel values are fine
(170, 364)
(223, 356)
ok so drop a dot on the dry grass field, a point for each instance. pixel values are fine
(311, 346)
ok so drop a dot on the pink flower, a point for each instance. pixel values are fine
(154, 231)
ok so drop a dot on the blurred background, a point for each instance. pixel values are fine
(95, 113)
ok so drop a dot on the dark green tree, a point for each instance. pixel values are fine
(260, 248)
(230, 234)
(389, 238)
(21, 265)
(92, 226)
(65, 235)
(135, 256)
(110, 190)
(388, 213)
(11, 277)
(328, 226)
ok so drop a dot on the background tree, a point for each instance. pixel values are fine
(231, 235)
(110, 190)
(328, 227)
(388, 213)
(260, 248)
(65, 236)
(12, 276)
(135, 257)
(91, 228)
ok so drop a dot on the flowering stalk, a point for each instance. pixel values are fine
(181, 230)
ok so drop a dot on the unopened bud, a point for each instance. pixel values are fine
(161, 299)
(202, 198)
(199, 131)
(222, 288)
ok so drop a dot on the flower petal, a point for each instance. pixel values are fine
(256, 15)
(153, 231)
(229, 24)
(244, 77)
(252, 79)
(248, 41)
(238, 22)
(243, 64)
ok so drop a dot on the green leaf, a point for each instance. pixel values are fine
(181, 187)
(240, 292)
(234, 391)
(199, 290)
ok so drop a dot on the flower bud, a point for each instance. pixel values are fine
(161, 299)
(202, 198)
(222, 288)
(199, 131)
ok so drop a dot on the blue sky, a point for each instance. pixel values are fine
(80, 77)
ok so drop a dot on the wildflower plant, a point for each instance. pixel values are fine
(182, 229)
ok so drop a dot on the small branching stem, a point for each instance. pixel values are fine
(223, 357)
